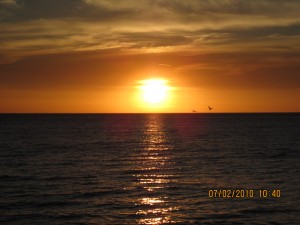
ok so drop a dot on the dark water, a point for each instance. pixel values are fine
(149, 168)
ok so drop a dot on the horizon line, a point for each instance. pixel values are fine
(275, 112)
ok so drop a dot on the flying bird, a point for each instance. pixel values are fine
(209, 108)
(194, 111)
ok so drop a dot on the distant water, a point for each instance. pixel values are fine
(149, 168)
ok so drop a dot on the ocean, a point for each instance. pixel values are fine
(150, 169)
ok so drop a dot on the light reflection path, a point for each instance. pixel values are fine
(154, 175)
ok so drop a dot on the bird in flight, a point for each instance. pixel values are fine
(194, 111)
(209, 108)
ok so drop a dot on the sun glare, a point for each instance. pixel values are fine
(154, 91)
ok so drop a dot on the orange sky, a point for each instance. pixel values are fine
(88, 56)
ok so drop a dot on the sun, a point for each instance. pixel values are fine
(154, 91)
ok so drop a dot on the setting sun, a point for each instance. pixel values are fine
(154, 91)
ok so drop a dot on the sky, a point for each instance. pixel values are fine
(90, 56)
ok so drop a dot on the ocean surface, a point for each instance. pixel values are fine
(149, 169)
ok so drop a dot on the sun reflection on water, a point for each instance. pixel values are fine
(157, 220)
(153, 174)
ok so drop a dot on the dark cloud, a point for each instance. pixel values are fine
(198, 7)
(35, 9)
(26, 10)
(291, 30)
(153, 39)
(7, 10)
(152, 10)
(36, 27)
(231, 6)
(254, 35)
